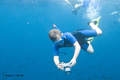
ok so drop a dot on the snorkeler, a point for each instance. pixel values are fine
(76, 4)
(75, 39)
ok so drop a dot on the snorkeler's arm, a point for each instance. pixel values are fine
(70, 38)
(76, 53)
(57, 62)
(77, 50)
(56, 57)
(56, 54)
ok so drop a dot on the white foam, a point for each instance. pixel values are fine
(92, 12)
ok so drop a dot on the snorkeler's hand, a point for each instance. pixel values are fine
(60, 66)
(72, 62)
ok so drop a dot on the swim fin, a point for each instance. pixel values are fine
(90, 39)
(96, 21)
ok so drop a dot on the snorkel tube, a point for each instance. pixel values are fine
(60, 41)
(57, 28)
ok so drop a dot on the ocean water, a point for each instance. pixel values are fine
(26, 51)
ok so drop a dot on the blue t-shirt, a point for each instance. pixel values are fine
(69, 40)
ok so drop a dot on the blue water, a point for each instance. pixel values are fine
(26, 51)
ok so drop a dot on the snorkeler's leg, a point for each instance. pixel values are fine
(90, 48)
(80, 3)
(94, 25)
(97, 29)
(68, 2)
(87, 47)
(77, 6)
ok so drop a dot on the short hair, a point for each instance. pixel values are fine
(54, 34)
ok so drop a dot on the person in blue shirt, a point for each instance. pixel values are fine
(75, 39)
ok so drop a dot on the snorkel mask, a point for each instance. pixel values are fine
(59, 42)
